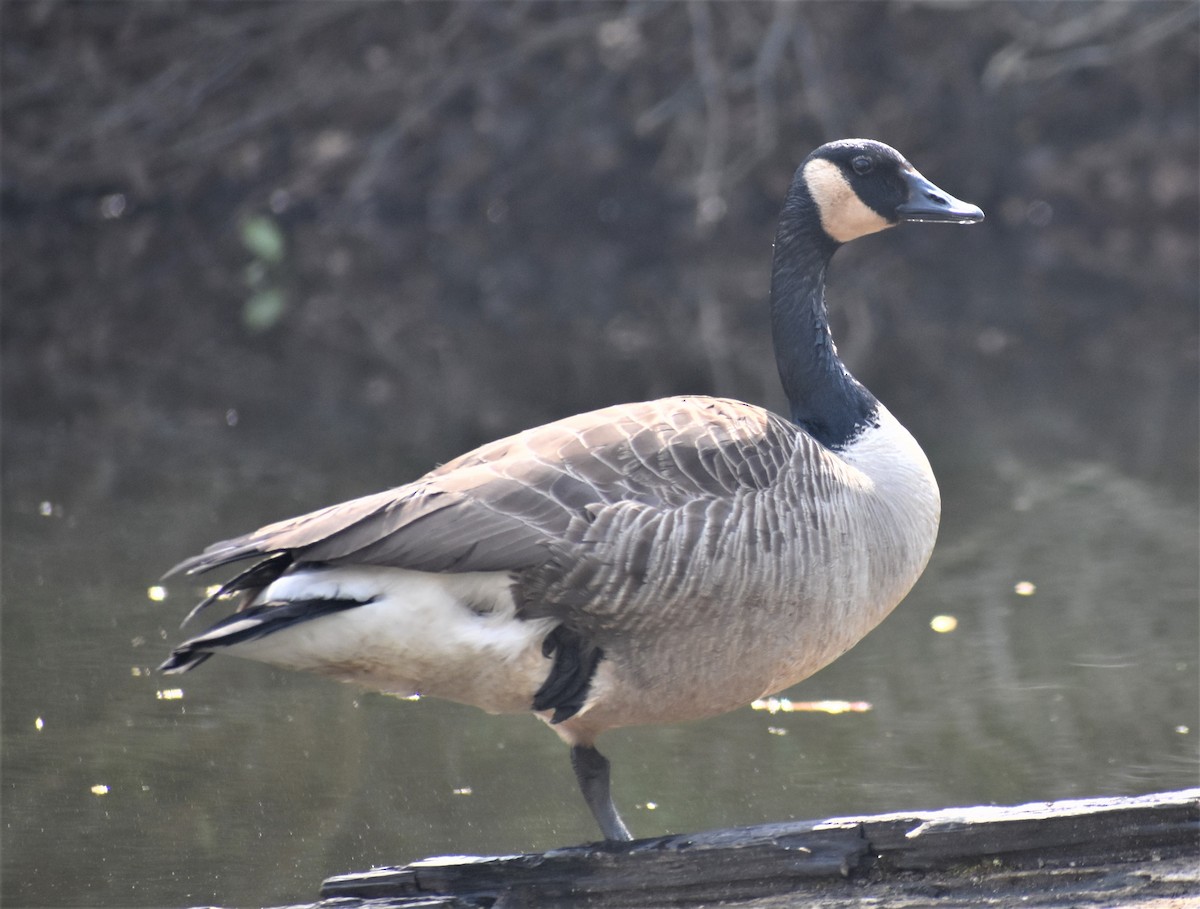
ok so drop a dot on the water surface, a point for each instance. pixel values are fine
(1071, 670)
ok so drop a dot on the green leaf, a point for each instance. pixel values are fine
(264, 309)
(263, 238)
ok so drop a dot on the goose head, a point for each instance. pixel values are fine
(860, 186)
(843, 190)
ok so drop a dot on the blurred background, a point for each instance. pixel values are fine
(261, 257)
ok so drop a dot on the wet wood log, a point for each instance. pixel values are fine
(1111, 850)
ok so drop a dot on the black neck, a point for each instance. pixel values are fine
(828, 402)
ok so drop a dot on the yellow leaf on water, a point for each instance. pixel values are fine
(943, 624)
(784, 705)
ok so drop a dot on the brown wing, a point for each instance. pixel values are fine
(508, 504)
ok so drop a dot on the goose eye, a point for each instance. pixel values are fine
(862, 165)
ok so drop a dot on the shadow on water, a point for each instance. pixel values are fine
(1070, 671)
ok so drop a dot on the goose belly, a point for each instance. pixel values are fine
(724, 652)
(452, 636)
(693, 673)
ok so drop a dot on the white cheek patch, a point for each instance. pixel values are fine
(844, 216)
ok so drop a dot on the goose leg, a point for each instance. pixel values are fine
(591, 769)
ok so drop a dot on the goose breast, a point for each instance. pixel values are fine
(781, 556)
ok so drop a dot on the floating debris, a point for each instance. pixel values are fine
(1025, 588)
(784, 705)
(112, 206)
(99, 789)
(157, 593)
(169, 694)
(943, 624)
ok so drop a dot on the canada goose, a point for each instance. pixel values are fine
(643, 563)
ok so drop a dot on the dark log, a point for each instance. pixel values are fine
(1143, 847)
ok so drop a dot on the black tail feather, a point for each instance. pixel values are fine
(253, 579)
(182, 660)
(248, 625)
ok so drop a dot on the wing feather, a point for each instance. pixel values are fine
(515, 503)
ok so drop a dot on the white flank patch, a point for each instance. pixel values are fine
(232, 628)
(454, 636)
